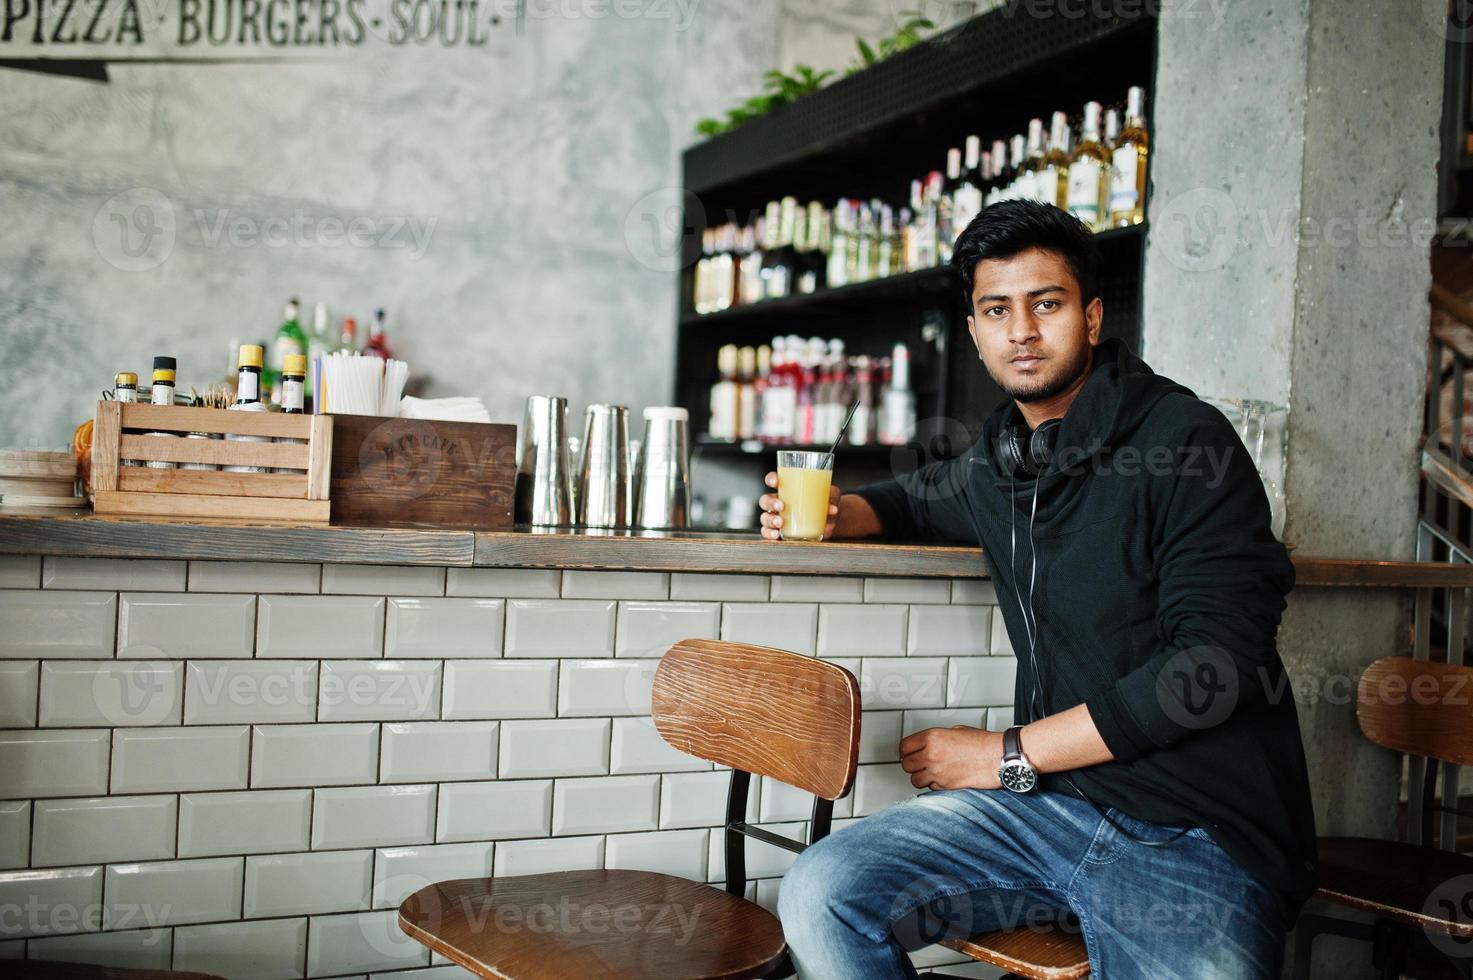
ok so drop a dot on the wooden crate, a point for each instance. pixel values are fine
(119, 433)
(441, 474)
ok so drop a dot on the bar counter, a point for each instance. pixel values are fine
(236, 748)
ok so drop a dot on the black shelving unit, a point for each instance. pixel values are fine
(868, 135)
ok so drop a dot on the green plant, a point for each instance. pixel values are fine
(780, 88)
(908, 35)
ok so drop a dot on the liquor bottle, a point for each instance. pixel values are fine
(1128, 164)
(1031, 181)
(1089, 172)
(349, 339)
(294, 387)
(248, 399)
(723, 268)
(822, 227)
(835, 395)
(746, 393)
(750, 288)
(701, 286)
(931, 243)
(837, 272)
(293, 399)
(945, 198)
(378, 344)
(910, 250)
(1053, 184)
(290, 339)
(864, 245)
(760, 383)
(886, 245)
(898, 411)
(1112, 128)
(862, 425)
(724, 402)
(777, 400)
(125, 388)
(806, 223)
(318, 344)
(162, 393)
(997, 183)
(125, 392)
(1017, 176)
(966, 198)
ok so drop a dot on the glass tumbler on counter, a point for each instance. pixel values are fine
(803, 480)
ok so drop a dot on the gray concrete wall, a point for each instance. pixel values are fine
(529, 169)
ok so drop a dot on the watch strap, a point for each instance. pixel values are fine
(1012, 743)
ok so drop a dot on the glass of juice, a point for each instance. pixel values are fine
(803, 480)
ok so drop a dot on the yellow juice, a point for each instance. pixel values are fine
(805, 497)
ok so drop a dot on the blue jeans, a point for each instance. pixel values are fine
(960, 862)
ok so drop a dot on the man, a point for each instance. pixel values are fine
(1156, 788)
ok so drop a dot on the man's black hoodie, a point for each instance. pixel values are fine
(1157, 596)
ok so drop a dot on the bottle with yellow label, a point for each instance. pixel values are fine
(125, 392)
(293, 396)
(248, 399)
(162, 393)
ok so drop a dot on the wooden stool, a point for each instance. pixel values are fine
(777, 714)
(1398, 881)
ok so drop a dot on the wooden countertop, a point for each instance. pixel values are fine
(79, 533)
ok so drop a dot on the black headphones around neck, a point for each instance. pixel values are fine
(1025, 455)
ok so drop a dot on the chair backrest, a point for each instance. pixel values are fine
(760, 710)
(1419, 707)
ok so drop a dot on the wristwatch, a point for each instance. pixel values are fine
(1016, 772)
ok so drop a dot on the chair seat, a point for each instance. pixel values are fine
(607, 924)
(1392, 879)
(1054, 954)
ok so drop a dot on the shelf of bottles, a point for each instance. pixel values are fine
(1092, 164)
(795, 393)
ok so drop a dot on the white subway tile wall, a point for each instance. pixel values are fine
(224, 767)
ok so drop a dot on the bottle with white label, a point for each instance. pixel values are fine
(1128, 164)
(248, 399)
(162, 393)
(724, 401)
(1031, 182)
(293, 397)
(1053, 179)
(898, 405)
(1089, 172)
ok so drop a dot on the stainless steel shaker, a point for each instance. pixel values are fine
(544, 485)
(663, 472)
(604, 483)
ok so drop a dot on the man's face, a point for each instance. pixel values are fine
(1031, 328)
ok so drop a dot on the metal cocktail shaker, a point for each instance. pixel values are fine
(663, 471)
(604, 484)
(544, 485)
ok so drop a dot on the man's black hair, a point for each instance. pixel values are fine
(1006, 228)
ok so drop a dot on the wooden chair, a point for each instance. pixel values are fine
(777, 714)
(1037, 954)
(1402, 883)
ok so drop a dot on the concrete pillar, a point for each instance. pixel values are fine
(1293, 199)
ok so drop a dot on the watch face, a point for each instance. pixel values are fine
(1017, 777)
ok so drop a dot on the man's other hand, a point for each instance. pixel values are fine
(952, 758)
